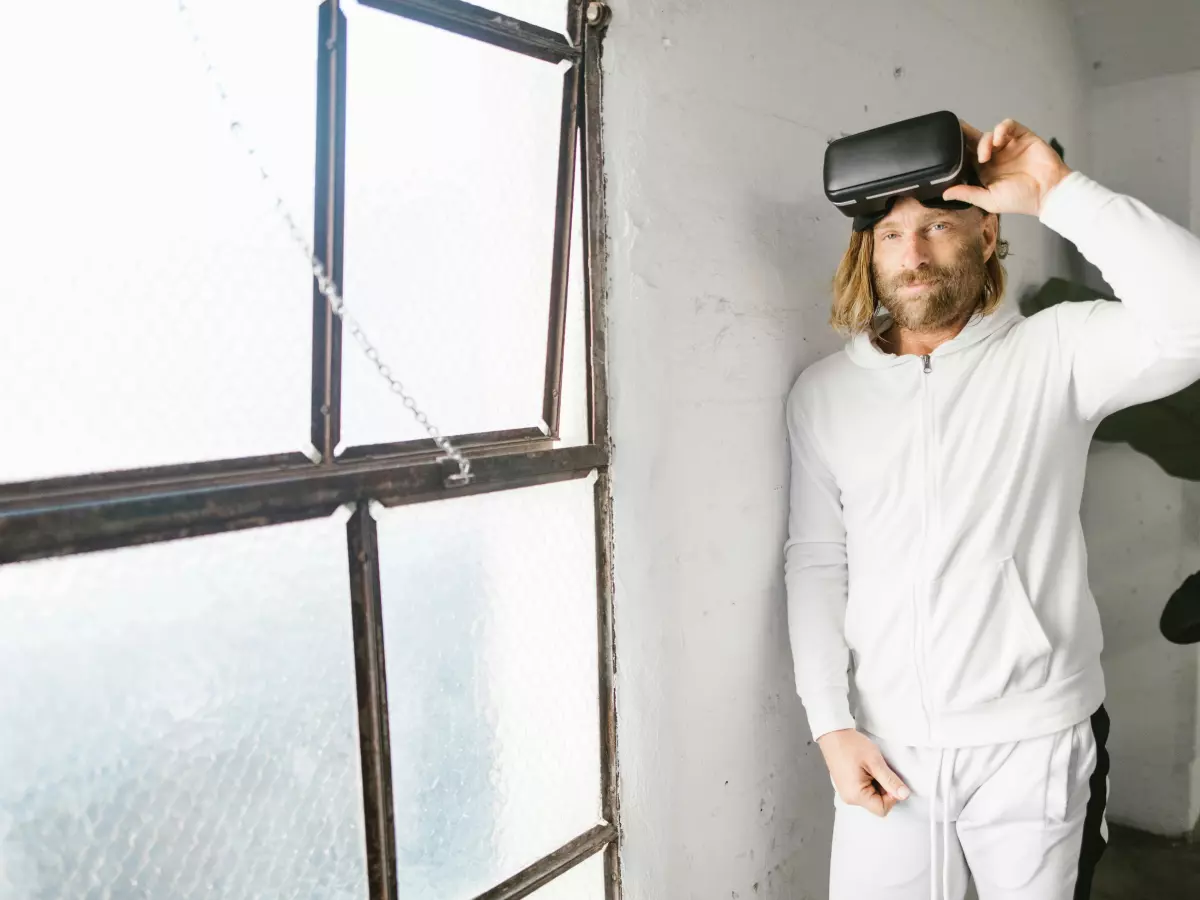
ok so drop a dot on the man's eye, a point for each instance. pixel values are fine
(888, 234)
(939, 226)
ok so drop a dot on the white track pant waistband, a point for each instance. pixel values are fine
(1024, 819)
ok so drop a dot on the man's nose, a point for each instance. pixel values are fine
(915, 252)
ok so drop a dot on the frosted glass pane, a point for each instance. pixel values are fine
(165, 315)
(550, 14)
(489, 607)
(451, 154)
(584, 882)
(179, 721)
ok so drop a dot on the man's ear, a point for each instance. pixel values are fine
(990, 228)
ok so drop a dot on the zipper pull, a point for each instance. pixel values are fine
(928, 364)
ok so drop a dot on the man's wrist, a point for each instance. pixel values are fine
(1047, 187)
(830, 738)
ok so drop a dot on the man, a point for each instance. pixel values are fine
(935, 547)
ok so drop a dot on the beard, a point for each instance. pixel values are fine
(953, 292)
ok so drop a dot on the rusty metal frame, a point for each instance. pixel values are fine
(596, 244)
(370, 673)
(106, 510)
(596, 294)
(568, 141)
(328, 228)
(514, 438)
(101, 517)
(484, 25)
(554, 864)
(133, 481)
(610, 803)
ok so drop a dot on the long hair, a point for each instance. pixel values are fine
(855, 299)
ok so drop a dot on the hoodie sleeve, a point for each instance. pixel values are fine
(816, 577)
(1148, 345)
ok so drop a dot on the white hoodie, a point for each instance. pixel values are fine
(935, 546)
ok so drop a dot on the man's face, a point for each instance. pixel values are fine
(929, 264)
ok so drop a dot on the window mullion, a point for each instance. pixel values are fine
(560, 273)
(610, 801)
(595, 293)
(328, 226)
(366, 608)
(482, 24)
(595, 249)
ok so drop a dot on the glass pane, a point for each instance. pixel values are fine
(165, 314)
(550, 14)
(490, 623)
(179, 721)
(451, 152)
(584, 882)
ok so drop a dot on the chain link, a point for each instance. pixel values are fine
(325, 283)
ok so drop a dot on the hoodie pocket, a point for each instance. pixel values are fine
(984, 640)
(879, 631)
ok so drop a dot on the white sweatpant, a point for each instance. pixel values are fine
(1018, 815)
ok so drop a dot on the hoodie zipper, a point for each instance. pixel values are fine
(922, 589)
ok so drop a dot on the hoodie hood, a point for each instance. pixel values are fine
(862, 350)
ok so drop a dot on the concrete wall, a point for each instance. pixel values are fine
(1122, 41)
(1142, 524)
(722, 246)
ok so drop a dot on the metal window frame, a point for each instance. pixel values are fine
(370, 674)
(568, 141)
(329, 217)
(480, 24)
(108, 510)
(487, 26)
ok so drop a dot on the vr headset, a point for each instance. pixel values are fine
(866, 173)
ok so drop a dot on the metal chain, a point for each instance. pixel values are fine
(325, 284)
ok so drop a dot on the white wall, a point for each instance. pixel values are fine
(1142, 540)
(1145, 141)
(1141, 523)
(722, 246)
(1122, 41)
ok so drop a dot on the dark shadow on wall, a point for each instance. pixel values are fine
(1166, 430)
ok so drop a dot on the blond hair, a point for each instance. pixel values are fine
(855, 300)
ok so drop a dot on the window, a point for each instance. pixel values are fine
(258, 635)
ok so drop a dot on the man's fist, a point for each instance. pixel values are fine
(1018, 169)
(859, 772)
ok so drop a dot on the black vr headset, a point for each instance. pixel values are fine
(866, 173)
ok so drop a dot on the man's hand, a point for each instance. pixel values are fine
(1016, 166)
(861, 776)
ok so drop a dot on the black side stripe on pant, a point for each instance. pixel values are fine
(1093, 838)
